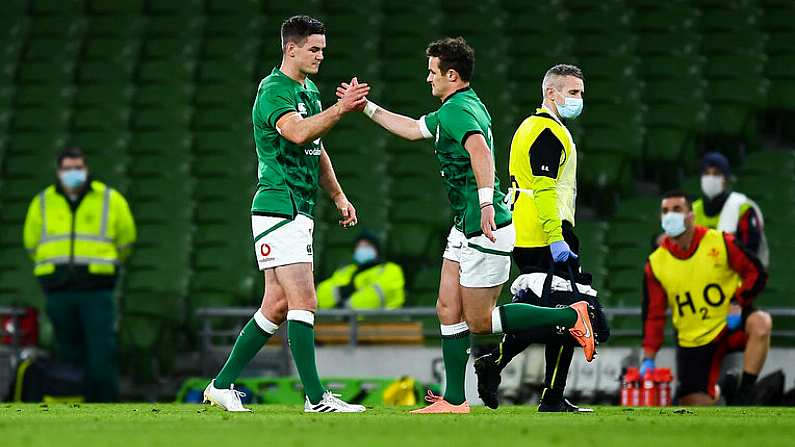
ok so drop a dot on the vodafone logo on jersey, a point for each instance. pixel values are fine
(265, 250)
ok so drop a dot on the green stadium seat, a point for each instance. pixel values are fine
(606, 44)
(154, 143)
(226, 70)
(602, 20)
(224, 142)
(161, 119)
(673, 18)
(424, 288)
(414, 241)
(101, 119)
(156, 212)
(244, 7)
(160, 27)
(152, 165)
(110, 49)
(186, 8)
(45, 73)
(158, 95)
(238, 118)
(102, 95)
(108, 143)
(667, 43)
(51, 50)
(749, 41)
(727, 20)
(165, 72)
(240, 48)
(40, 119)
(62, 27)
(626, 140)
(18, 286)
(241, 26)
(125, 7)
(170, 48)
(626, 287)
(23, 188)
(666, 144)
(46, 95)
(223, 94)
(105, 72)
(156, 188)
(674, 67)
(112, 27)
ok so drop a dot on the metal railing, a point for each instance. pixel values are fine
(354, 318)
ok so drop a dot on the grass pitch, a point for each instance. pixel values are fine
(193, 425)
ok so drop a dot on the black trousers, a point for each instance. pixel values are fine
(557, 354)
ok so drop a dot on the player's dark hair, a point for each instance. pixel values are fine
(70, 152)
(675, 194)
(455, 54)
(297, 28)
(565, 70)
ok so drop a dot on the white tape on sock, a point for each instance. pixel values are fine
(496, 321)
(454, 329)
(303, 316)
(264, 323)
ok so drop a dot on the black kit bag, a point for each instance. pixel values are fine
(563, 298)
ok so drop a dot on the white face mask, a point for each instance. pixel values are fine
(711, 185)
(673, 223)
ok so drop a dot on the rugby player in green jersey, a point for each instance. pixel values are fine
(476, 262)
(288, 125)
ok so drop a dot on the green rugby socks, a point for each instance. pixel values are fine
(301, 335)
(251, 339)
(455, 351)
(517, 317)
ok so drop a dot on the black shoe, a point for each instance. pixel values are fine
(488, 372)
(729, 388)
(562, 406)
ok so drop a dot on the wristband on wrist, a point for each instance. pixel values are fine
(486, 195)
(370, 109)
(484, 205)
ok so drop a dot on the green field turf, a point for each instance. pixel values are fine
(194, 425)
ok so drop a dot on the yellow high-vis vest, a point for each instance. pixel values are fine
(378, 287)
(99, 234)
(539, 203)
(699, 289)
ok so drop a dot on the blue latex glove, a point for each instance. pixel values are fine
(647, 364)
(733, 321)
(561, 251)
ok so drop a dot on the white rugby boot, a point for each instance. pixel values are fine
(331, 403)
(228, 400)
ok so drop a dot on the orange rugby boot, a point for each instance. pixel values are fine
(439, 405)
(583, 331)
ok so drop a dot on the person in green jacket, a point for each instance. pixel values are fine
(369, 282)
(78, 231)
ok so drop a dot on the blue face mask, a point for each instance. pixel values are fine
(571, 107)
(364, 254)
(673, 223)
(73, 178)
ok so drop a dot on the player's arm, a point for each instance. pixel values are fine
(483, 167)
(545, 154)
(749, 229)
(400, 125)
(653, 313)
(300, 130)
(747, 265)
(330, 184)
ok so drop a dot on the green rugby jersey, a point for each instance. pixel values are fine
(287, 173)
(461, 115)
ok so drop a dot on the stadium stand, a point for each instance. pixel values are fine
(158, 93)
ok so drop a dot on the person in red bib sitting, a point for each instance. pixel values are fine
(709, 282)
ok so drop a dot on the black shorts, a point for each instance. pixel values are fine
(698, 369)
(539, 259)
